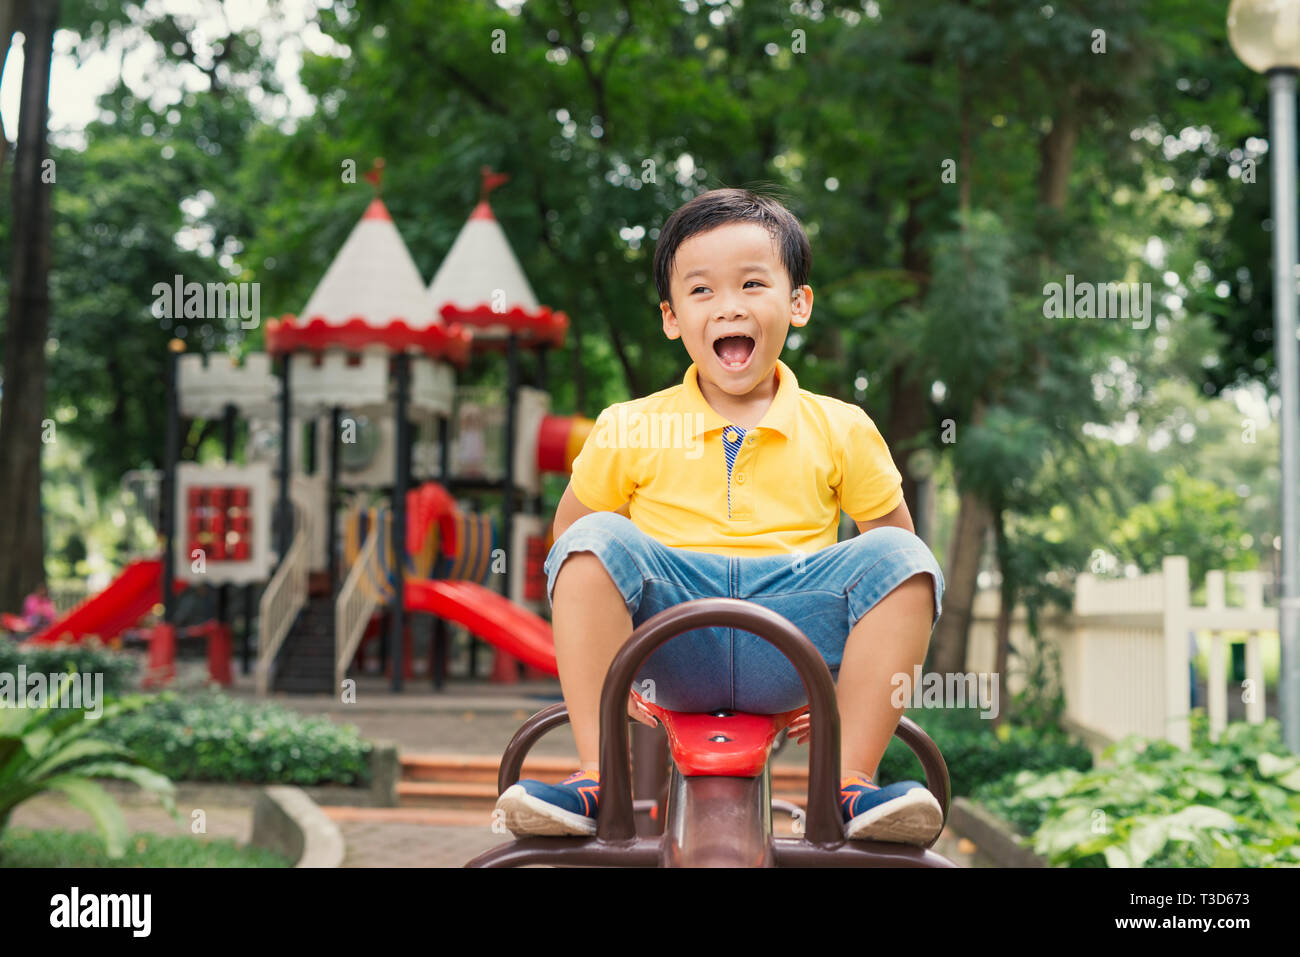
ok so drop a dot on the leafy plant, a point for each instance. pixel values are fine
(52, 749)
(213, 737)
(1234, 802)
(976, 754)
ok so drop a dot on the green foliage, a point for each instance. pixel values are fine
(25, 848)
(1193, 517)
(218, 185)
(1230, 803)
(88, 658)
(214, 737)
(54, 749)
(976, 754)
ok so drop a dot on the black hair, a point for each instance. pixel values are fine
(718, 207)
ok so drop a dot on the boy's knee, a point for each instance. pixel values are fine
(892, 538)
(598, 526)
(582, 558)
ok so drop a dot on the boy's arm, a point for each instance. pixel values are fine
(570, 510)
(900, 517)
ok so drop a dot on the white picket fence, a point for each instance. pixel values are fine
(1124, 651)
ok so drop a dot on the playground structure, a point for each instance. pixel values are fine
(344, 512)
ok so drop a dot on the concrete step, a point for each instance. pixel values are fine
(470, 795)
(469, 781)
(482, 768)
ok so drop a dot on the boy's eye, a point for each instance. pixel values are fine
(747, 282)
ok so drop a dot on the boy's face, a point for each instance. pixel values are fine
(734, 305)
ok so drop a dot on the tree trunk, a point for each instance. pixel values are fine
(909, 397)
(1056, 153)
(22, 542)
(948, 647)
(9, 13)
(908, 418)
(1005, 610)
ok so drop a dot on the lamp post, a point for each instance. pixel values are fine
(1265, 35)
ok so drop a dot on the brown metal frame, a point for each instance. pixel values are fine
(699, 806)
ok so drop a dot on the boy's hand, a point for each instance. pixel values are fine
(800, 729)
(641, 714)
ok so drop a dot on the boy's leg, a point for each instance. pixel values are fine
(590, 622)
(605, 576)
(869, 605)
(890, 639)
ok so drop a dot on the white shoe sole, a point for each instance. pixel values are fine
(911, 818)
(528, 816)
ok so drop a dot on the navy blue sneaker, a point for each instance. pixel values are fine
(904, 812)
(533, 808)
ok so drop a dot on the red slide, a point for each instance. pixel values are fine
(130, 596)
(491, 616)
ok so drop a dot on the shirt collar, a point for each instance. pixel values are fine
(780, 416)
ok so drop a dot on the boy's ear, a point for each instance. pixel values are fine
(801, 301)
(670, 321)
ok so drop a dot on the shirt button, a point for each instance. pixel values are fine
(740, 479)
(730, 436)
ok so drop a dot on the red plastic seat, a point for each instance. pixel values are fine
(725, 744)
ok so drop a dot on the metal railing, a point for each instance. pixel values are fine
(357, 599)
(284, 597)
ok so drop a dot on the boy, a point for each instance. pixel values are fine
(731, 485)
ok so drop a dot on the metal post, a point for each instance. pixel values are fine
(284, 517)
(310, 465)
(512, 427)
(444, 449)
(171, 457)
(401, 473)
(1282, 146)
(541, 365)
(228, 448)
(246, 651)
(331, 503)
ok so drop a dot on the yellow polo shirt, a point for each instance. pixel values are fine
(693, 480)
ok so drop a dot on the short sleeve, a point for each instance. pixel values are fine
(870, 485)
(601, 477)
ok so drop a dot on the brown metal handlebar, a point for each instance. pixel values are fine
(927, 752)
(512, 761)
(615, 821)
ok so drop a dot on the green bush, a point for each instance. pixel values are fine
(24, 848)
(976, 754)
(1230, 803)
(213, 737)
(120, 670)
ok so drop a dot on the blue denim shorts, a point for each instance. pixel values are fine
(711, 669)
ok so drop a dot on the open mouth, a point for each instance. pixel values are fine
(734, 352)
